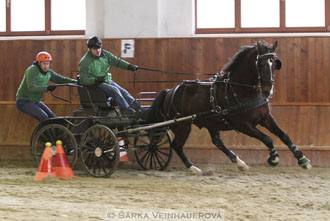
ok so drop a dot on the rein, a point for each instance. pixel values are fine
(174, 72)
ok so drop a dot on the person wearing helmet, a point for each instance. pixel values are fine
(35, 84)
(94, 70)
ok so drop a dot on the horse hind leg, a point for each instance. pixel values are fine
(181, 133)
(272, 126)
(216, 140)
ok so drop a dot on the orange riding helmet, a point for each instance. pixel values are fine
(43, 56)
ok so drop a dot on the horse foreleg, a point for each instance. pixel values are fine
(273, 158)
(270, 123)
(216, 140)
(181, 133)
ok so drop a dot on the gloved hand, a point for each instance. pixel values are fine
(132, 67)
(51, 87)
(99, 80)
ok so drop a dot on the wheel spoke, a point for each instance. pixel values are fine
(162, 143)
(166, 154)
(104, 168)
(145, 140)
(95, 167)
(154, 160)
(146, 153)
(147, 159)
(158, 159)
(89, 146)
(89, 160)
(43, 139)
(142, 147)
(151, 158)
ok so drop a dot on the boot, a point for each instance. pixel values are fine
(135, 105)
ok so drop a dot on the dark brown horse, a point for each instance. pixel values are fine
(235, 99)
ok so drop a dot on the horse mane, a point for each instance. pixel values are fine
(238, 57)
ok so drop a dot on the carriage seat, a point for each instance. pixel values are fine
(96, 97)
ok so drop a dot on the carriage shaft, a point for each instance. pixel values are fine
(165, 123)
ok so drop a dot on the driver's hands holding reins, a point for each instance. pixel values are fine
(51, 87)
(99, 80)
(132, 67)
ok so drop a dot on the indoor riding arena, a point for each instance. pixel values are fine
(214, 110)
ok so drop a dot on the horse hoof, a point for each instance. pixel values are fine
(304, 162)
(241, 164)
(307, 167)
(273, 162)
(195, 169)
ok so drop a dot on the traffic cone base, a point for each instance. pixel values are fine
(64, 173)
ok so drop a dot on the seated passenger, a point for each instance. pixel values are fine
(35, 84)
(94, 70)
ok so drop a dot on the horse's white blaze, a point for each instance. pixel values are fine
(271, 77)
(271, 91)
(241, 164)
(270, 63)
(195, 170)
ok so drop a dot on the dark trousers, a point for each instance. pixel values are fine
(38, 111)
(119, 94)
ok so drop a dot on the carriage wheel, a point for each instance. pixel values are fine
(99, 151)
(52, 133)
(154, 152)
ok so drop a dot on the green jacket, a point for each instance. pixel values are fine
(34, 83)
(92, 67)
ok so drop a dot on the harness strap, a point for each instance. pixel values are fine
(172, 101)
(246, 105)
(213, 96)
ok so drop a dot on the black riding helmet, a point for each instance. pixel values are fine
(94, 42)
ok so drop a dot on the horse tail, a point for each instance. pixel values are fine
(155, 113)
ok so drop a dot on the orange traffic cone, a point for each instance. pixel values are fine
(45, 168)
(123, 152)
(62, 167)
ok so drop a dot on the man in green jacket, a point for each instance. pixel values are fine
(94, 70)
(35, 84)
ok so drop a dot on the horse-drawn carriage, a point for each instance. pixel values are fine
(92, 133)
(234, 99)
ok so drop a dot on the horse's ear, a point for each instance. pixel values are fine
(259, 47)
(274, 47)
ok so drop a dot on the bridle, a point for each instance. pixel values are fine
(264, 56)
(229, 83)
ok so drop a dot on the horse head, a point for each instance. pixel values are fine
(266, 64)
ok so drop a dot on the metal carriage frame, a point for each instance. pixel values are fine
(91, 135)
